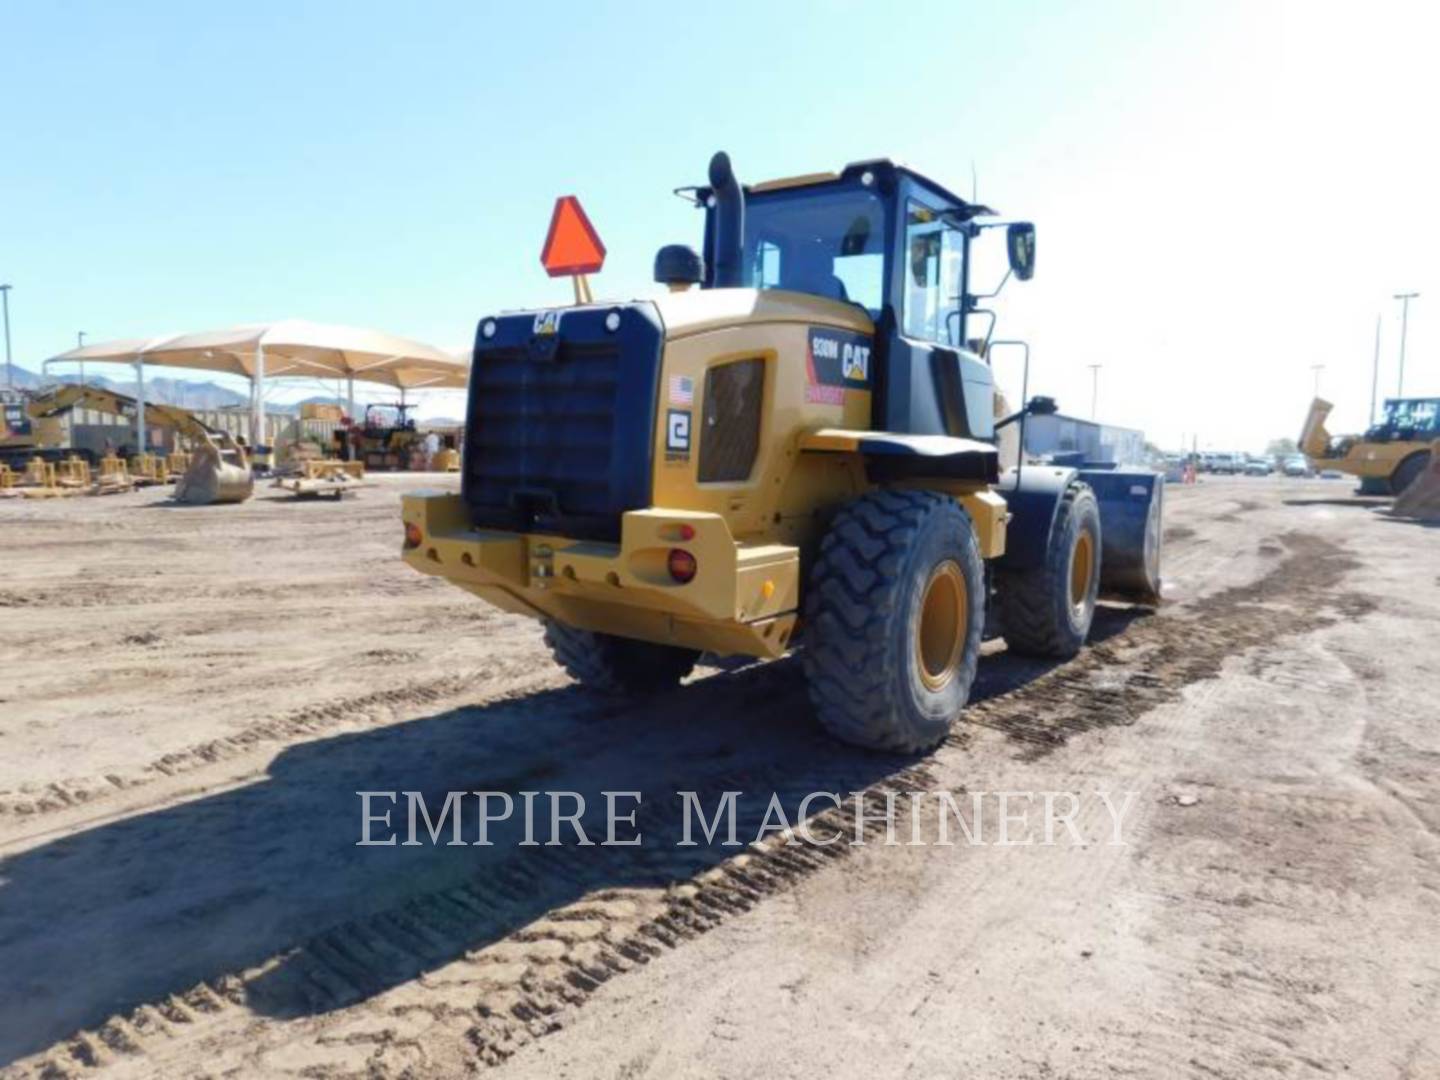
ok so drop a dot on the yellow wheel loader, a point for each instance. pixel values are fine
(1388, 457)
(796, 446)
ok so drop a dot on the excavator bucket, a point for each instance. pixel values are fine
(217, 473)
(1421, 500)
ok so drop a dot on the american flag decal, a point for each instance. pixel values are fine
(682, 390)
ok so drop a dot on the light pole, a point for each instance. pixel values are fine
(1317, 368)
(9, 368)
(1375, 372)
(1094, 387)
(1404, 299)
(80, 343)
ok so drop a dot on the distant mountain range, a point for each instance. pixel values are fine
(182, 392)
(164, 391)
(196, 395)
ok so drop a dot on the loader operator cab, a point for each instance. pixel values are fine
(882, 238)
(1407, 420)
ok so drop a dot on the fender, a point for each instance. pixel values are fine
(890, 457)
(1033, 497)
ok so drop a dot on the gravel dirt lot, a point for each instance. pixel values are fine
(190, 699)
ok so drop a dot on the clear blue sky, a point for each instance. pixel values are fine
(1224, 192)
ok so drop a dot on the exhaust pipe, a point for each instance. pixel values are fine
(729, 260)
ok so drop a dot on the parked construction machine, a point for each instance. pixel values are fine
(795, 446)
(1389, 457)
(217, 471)
(385, 436)
(25, 435)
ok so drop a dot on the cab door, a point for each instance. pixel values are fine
(934, 385)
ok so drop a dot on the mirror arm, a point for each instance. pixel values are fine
(998, 288)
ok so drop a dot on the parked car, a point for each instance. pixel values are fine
(1259, 467)
(1227, 464)
(1296, 465)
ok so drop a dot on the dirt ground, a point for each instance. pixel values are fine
(190, 699)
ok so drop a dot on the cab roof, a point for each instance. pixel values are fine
(882, 167)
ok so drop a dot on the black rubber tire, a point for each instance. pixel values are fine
(617, 665)
(1374, 485)
(862, 608)
(1406, 472)
(1036, 616)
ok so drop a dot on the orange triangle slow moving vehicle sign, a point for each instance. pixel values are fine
(571, 246)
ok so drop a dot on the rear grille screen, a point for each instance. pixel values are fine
(734, 393)
(559, 431)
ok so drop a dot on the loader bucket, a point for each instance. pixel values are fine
(1131, 508)
(1314, 439)
(1421, 500)
(217, 474)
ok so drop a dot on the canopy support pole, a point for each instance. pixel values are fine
(350, 396)
(257, 415)
(139, 405)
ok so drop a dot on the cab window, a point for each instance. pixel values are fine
(934, 276)
(826, 243)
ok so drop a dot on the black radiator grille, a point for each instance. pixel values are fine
(558, 437)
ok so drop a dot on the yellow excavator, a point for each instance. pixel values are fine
(1389, 457)
(218, 472)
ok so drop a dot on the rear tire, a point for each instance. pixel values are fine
(1406, 472)
(1048, 611)
(894, 610)
(617, 665)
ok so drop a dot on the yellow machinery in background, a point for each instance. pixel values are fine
(798, 438)
(1388, 457)
(324, 477)
(216, 469)
(386, 436)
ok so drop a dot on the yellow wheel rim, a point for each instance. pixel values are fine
(1082, 571)
(944, 622)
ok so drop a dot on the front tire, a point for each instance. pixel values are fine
(893, 616)
(617, 665)
(1047, 611)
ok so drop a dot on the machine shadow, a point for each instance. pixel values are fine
(1357, 503)
(132, 910)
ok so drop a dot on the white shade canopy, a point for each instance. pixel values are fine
(293, 347)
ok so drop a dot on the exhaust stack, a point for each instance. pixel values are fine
(729, 259)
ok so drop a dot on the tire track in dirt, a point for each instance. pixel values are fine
(1119, 679)
(377, 708)
(448, 968)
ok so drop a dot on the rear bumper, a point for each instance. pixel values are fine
(742, 600)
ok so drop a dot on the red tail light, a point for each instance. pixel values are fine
(682, 565)
(413, 536)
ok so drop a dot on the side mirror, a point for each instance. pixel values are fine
(679, 267)
(1020, 245)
